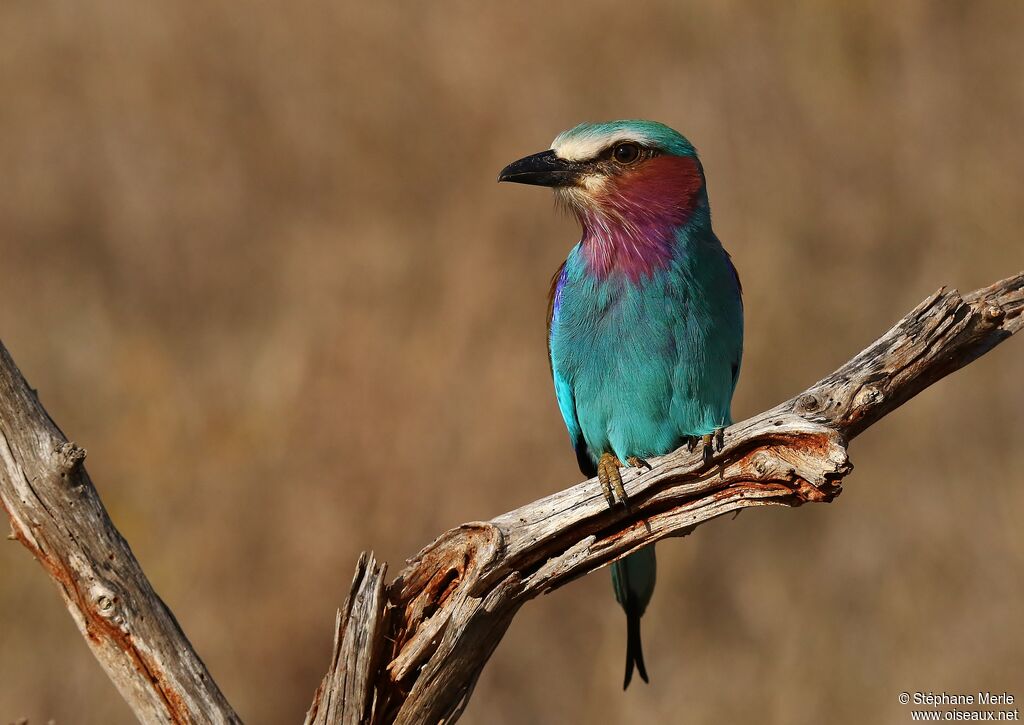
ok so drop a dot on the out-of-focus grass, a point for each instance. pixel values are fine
(255, 261)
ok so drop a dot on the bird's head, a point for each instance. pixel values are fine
(631, 172)
(635, 186)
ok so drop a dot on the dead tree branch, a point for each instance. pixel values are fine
(448, 609)
(57, 514)
(410, 651)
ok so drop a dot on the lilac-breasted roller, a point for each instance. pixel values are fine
(645, 317)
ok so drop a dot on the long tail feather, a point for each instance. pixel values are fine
(634, 649)
(633, 580)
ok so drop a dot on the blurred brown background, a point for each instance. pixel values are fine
(255, 260)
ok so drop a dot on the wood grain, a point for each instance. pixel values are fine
(56, 513)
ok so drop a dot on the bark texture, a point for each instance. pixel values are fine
(57, 514)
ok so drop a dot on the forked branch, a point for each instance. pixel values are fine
(411, 650)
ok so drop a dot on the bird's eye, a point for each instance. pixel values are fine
(626, 153)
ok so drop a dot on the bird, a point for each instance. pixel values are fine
(645, 315)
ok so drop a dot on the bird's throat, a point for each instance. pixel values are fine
(632, 222)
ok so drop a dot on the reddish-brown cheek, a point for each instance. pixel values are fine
(664, 182)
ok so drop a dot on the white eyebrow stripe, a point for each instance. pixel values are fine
(584, 147)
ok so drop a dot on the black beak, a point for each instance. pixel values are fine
(543, 169)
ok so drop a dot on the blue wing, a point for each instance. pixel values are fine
(567, 406)
(563, 390)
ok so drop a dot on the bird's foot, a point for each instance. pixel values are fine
(710, 443)
(611, 478)
(638, 462)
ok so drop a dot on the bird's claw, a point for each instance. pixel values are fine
(710, 443)
(638, 462)
(611, 478)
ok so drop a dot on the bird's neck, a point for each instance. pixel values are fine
(638, 223)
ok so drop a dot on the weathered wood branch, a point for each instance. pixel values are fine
(56, 513)
(410, 651)
(448, 609)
